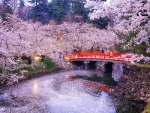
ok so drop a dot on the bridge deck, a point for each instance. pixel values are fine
(97, 56)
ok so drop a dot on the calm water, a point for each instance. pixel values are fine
(56, 93)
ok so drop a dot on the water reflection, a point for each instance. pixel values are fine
(35, 87)
(56, 94)
(82, 103)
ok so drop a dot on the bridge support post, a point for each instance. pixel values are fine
(100, 65)
(86, 64)
(117, 71)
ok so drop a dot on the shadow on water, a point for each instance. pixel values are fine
(105, 79)
(122, 105)
(128, 106)
(58, 95)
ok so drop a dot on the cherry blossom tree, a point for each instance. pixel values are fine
(19, 37)
(129, 16)
(53, 41)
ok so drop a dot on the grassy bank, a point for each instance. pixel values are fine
(49, 65)
(1, 70)
(46, 67)
(142, 65)
(147, 108)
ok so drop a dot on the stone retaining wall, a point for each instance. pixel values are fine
(134, 84)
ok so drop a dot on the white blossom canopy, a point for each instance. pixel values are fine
(128, 15)
(19, 37)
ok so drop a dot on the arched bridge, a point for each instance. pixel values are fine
(98, 56)
(103, 61)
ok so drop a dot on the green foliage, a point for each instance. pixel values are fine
(79, 9)
(125, 17)
(100, 23)
(140, 49)
(58, 9)
(38, 1)
(49, 64)
(4, 12)
(119, 47)
(24, 57)
(130, 36)
(39, 12)
(143, 23)
(127, 38)
(21, 4)
(1, 69)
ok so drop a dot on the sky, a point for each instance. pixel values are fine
(49, 0)
(26, 2)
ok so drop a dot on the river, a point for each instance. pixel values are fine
(55, 93)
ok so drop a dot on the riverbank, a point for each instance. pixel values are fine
(29, 71)
(31, 76)
(33, 95)
(135, 85)
(130, 86)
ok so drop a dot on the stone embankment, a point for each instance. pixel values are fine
(134, 84)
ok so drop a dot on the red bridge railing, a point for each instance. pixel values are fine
(114, 56)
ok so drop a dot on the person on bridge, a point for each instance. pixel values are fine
(92, 49)
(102, 51)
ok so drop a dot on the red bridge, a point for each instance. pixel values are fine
(96, 56)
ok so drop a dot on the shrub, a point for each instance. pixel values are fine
(1, 69)
(49, 64)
